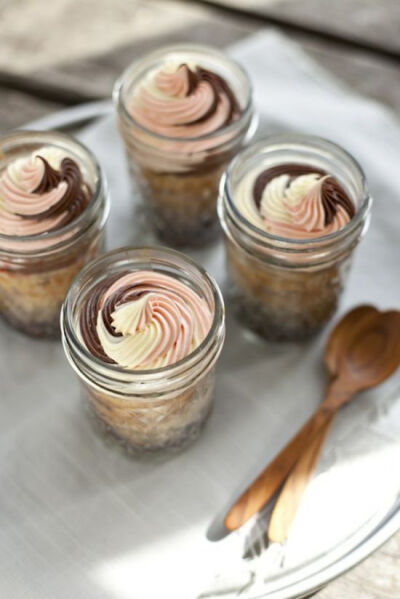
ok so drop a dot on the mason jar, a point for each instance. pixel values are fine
(36, 270)
(148, 410)
(178, 177)
(285, 288)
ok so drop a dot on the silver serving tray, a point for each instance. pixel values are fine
(114, 527)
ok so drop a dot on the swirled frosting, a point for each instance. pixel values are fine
(42, 192)
(143, 320)
(184, 101)
(294, 200)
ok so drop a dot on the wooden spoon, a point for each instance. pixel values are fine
(370, 354)
(267, 483)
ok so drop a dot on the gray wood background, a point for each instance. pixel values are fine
(57, 54)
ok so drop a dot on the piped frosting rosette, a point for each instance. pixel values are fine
(143, 320)
(294, 201)
(40, 193)
(185, 102)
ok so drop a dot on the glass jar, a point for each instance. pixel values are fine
(178, 177)
(287, 289)
(147, 410)
(36, 270)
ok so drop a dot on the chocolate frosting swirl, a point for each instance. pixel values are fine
(142, 319)
(51, 178)
(219, 86)
(41, 193)
(88, 320)
(90, 311)
(184, 101)
(332, 193)
(76, 197)
(332, 196)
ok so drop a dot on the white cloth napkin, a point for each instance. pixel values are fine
(79, 520)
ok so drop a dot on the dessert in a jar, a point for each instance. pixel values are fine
(293, 209)
(183, 113)
(143, 329)
(53, 208)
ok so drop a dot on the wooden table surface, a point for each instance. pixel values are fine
(57, 54)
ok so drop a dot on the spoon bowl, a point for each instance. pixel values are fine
(370, 350)
(339, 336)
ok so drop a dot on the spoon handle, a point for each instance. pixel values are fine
(292, 492)
(268, 482)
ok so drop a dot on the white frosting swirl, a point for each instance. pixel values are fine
(164, 322)
(18, 200)
(184, 103)
(290, 206)
(165, 103)
(41, 193)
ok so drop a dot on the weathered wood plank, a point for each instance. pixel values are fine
(73, 29)
(370, 21)
(93, 76)
(378, 577)
(369, 75)
(96, 76)
(17, 108)
(34, 35)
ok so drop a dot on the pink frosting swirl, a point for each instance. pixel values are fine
(180, 102)
(18, 198)
(296, 231)
(39, 193)
(144, 320)
(308, 216)
(294, 200)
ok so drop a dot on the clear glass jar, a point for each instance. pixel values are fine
(147, 410)
(179, 177)
(287, 289)
(36, 270)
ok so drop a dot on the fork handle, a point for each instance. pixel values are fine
(292, 492)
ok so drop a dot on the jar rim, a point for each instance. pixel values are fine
(53, 136)
(283, 139)
(232, 127)
(71, 338)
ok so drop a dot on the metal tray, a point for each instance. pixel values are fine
(79, 512)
